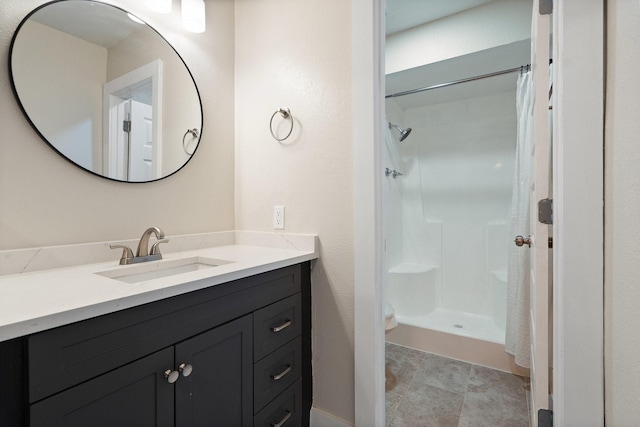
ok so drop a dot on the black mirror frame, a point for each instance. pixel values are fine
(35, 128)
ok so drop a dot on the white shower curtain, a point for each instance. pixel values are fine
(518, 274)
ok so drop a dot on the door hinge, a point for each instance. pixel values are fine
(545, 211)
(545, 7)
(126, 125)
(545, 418)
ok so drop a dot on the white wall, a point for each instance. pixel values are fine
(44, 200)
(494, 24)
(622, 213)
(77, 92)
(297, 55)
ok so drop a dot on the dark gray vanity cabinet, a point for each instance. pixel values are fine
(235, 354)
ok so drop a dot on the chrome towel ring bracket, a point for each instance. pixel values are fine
(286, 114)
(194, 132)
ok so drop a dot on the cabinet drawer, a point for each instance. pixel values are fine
(273, 374)
(276, 325)
(63, 357)
(284, 411)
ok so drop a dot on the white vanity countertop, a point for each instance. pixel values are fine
(36, 301)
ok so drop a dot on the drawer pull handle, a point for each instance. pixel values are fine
(171, 376)
(185, 369)
(281, 327)
(282, 374)
(282, 421)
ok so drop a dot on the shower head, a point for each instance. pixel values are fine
(404, 133)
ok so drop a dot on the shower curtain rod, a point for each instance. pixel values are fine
(455, 82)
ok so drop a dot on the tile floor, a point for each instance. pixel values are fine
(425, 389)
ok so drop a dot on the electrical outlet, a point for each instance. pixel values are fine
(278, 217)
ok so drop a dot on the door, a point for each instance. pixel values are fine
(131, 155)
(539, 251)
(220, 390)
(136, 394)
(141, 162)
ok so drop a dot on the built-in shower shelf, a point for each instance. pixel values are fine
(412, 268)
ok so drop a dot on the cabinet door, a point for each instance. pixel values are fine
(136, 394)
(219, 389)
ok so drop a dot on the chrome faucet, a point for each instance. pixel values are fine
(143, 245)
(142, 253)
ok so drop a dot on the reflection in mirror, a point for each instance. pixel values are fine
(106, 92)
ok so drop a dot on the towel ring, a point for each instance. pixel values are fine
(286, 114)
(193, 132)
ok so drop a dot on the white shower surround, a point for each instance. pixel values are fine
(447, 216)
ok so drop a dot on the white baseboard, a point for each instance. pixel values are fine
(320, 418)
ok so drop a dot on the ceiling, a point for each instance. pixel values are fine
(404, 14)
(96, 23)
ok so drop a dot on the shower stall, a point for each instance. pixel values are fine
(447, 213)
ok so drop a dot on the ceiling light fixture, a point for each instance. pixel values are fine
(160, 6)
(193, 15)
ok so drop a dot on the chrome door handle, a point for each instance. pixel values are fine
(521, 241)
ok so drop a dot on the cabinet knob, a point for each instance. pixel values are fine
(185, 369)
(171, 376)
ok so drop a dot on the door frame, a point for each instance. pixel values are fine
(368, 136)
(578, 188)
(110, 128)
(578, 115)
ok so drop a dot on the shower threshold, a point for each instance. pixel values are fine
(455, 346)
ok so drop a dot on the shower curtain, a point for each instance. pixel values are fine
(517, 329)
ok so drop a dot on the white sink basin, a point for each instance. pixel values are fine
(159, 269)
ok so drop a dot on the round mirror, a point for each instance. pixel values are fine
(105, 90)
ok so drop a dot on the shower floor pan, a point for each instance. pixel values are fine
(458, 323)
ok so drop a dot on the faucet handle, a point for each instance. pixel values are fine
(127, 253)
(155, 249)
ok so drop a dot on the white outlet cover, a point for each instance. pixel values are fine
(278, 217)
